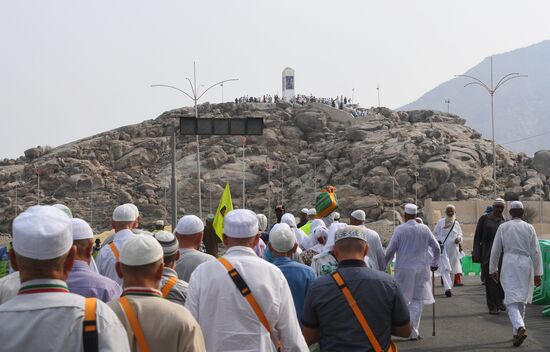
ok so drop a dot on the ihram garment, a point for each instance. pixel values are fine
(226, 318)
(449, 262)
(411, 242)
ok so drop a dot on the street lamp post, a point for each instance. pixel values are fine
(416, 188)
(448, 102)
(378, 90)
(491, 90)
(195, 96)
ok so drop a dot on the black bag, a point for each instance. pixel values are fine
(442, 244)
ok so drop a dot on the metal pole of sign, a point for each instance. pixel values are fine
(393, 202)
(268, 191)
(38, 189)
(196, 96)
(282, 186)
(244, 173)
(92, 209)
(416, 188)
(16, 199)
(173, 186)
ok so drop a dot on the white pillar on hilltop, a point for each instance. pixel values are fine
(288, 84)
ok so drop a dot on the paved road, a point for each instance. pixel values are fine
(464, 324)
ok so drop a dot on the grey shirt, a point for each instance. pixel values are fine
(178, 293)
(189, 260)
(378, 297)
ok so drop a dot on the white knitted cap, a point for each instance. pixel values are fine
(140, 250)
(240, 223)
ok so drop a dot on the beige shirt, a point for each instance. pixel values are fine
(167, 326)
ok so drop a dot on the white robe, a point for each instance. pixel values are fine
(375, 256)
(521, 261)
(411, 242)
(450, 256)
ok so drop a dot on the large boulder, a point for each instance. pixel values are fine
(34, 153)
(311, 121)
(541, 162)
(433, 174)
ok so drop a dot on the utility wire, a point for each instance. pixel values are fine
(526, 138)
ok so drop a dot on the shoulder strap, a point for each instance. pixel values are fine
(247, 294)
(134, 324)
(89, 330)
(115, 251)
(451, 230)
(168, 286)
(355, 308)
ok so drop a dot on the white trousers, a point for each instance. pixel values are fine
(447, 282)
(415, 312)
(516, 313)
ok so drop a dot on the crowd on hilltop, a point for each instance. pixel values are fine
(303, 284)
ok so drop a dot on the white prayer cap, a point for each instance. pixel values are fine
(168, 242)
(419, 220)
(305, 211)
(262, 222)
(336, 215)
(516, 205)
(288, 219)
(81, 230)
(159, 223)
(189, 225)
(312, 211)
(359, 215)
(411, 209)
(64, 209)
(140, 250)
(136, 210)
(350, 232)
(124, 213)
(240, 223)
(499, 201)
(450, 206)
(282, 238)
(42, 232)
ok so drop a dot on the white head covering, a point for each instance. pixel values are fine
(81, 229)
(262, 222)
(359, 215)
(42, 232)
(167, 241)
(124, 213)
(313, 239)
(516, 205)
(240, 223)
(336, 216)
(289, 219)
(64, 209)
(282, 238)
(411, 209)
(159, 222)
(312, 212)
(315, 223)
(499, 201)
(330, 239)
(305, 211)
(135, 208)
(350, 232)
(140, 250)
(189, 225)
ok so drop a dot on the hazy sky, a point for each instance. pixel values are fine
(70, 69)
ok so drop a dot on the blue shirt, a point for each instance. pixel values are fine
(83, 281)
(299, 277)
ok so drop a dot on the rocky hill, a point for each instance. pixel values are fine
(307, 147)
(521, 105)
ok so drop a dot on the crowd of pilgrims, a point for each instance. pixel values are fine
(311, 284)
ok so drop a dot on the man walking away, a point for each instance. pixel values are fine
(328, 316)
(151, 322)
(299, 276)
(220, 295)
(189, 232)
(171, 287)
(521, 267)
(411, 242)
(376, 256)
(486, 230)
(45, 316)
(82, 279)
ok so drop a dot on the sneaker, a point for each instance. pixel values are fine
(448, 293)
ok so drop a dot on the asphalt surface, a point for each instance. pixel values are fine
(463, 323)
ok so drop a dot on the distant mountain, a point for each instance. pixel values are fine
(521, 106)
